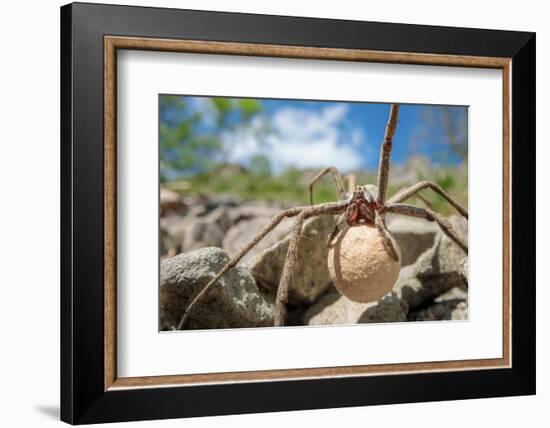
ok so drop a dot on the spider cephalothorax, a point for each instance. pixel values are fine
(361, 210)
(362, 205)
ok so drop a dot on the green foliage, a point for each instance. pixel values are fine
(187, 144)
(454, 180)
(260, 166)
(445, 180)
(291, 187)
(249, 107)
(254, 186)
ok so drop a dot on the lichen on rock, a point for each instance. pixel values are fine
(235, 301)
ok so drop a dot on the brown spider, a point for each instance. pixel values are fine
(364, 204)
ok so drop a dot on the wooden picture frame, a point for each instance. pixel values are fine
(91, 390)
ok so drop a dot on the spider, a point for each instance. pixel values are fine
(361, 205)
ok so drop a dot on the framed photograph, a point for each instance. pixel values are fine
(320, 213)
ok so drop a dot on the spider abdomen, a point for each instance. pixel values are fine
(360, 266)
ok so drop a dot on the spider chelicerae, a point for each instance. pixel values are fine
(361, 205)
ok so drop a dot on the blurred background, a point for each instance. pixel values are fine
(267, 150)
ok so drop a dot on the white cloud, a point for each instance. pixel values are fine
(205, 108)
(303, 138)
(357, 137)
(335, 113)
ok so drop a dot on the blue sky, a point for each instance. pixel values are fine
(316, 134)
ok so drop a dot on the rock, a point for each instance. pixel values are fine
(234, 302)
(220, 217)
(311, 277)
(294, 316)
(436, 270)
(446, 310)
(204, 231)
(201, 232)
(197, 211)
(457, 293)
(196, 230)
(172, 232)
(413, 235)
(463, 270)
(246, 230)
(451, 305)
(246, 212)
(214, 200)
(170, 201)
(446, 255)
(388, 309)
(334, 308)
(208, 221)
(409, 288)
(460, 312)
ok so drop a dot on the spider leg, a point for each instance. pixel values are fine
(288, 268)
(412, 211)
(409, 192)
(351, 181)
(425, 201)
(328, 208)
(292, 212)
(292, 255)
(385, 153)
(341, 225)
(389, 244)
(337, 181)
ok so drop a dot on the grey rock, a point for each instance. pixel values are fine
(247, 212)
(172, 232)
(413, 235)
(234, 302)
(445, 255)
(197, 210)
(197, 229)
(245, 231)
(201, 232)
(451, 305)
(168, 195)
(463, 270)
(310, 278)
(214, 200)
(334, 308)
(219, 217)
(206, 230)
(207, 223)
(460, 312)
(454, 309)
(457, 293)
(388, 309)
(170, 202)
(436, 270)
